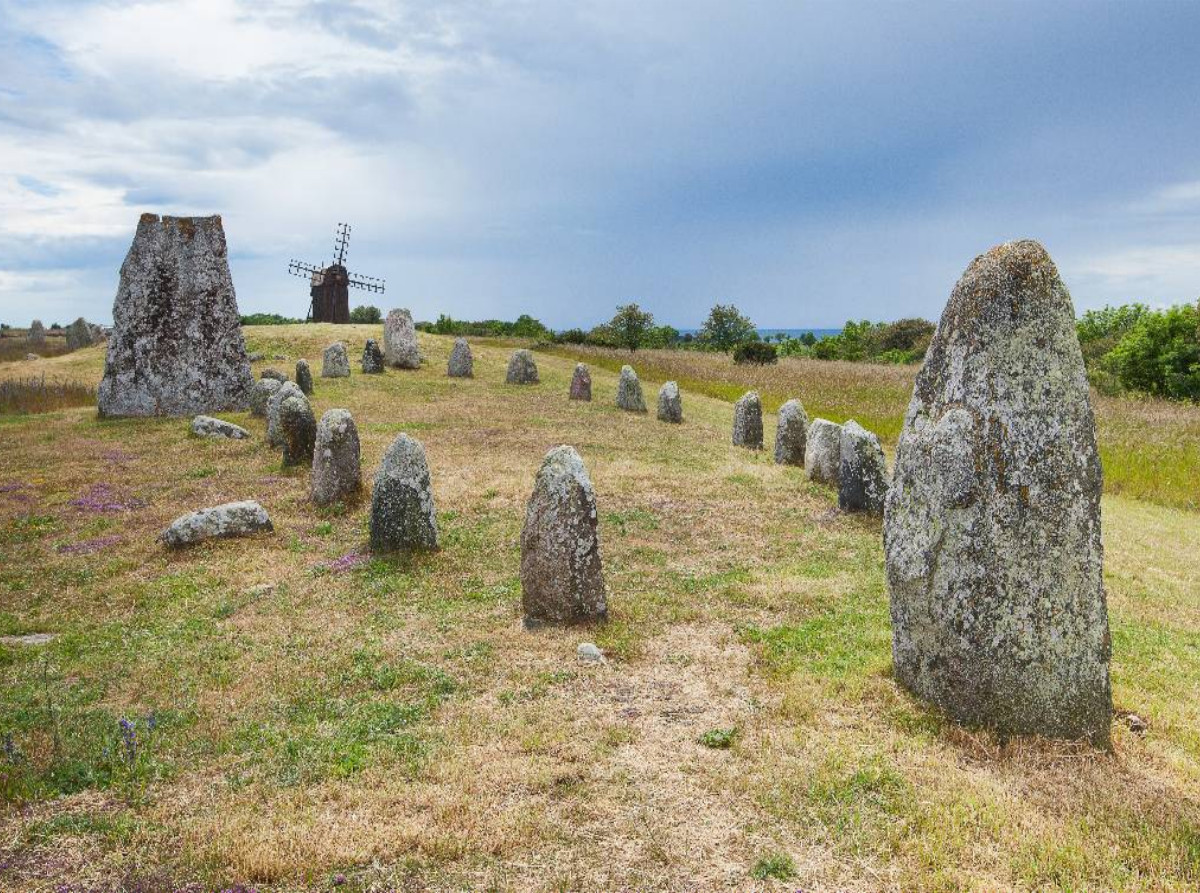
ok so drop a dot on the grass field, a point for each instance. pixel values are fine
(299, 716)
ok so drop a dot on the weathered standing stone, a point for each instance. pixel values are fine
(79, 333)
(297, 429)
(461, 364)
(402, 510)
(231, 519)
(747, 421)
(670, 404)
(337, 470)
(823, 452)
(304, 377)
(207, 426)
(562, 580)
(335, 363)
(521, 368)
(791, 434)
(629, 391)
(400, 340)
(176, 347)
(372, 357)
(992, 524)
(581, 383)
(862, 476)
(37, 333)
(281, 393)
(273, 373)
(261, 393)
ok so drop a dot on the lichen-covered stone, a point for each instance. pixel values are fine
(80, 334)
(281, 393)
(273, 373)
(670, 404)
(862, 477)
(791, 434)
(461, 364)
(297, 429)
(37, 333)
(400, 340)
(176, 347)
(823, 452)
(261, 394)
(372, 358)
(335, 362)
(562, 580)
(402, 510)
(992, 524)
(521, 368)
(231, 519)
(747, 421)
(304, 377)
(337, 468)
(207, 426)
(629, 391)
(581, 383)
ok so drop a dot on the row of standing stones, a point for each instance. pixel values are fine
(991, 521)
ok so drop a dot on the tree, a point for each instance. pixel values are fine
(1160, 355)
(726, 328)
(367, 314)
(630, 325)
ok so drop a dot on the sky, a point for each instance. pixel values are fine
(808, 162)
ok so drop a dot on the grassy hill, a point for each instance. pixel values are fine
(300, 714)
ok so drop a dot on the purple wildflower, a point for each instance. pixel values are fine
(129, 739)
(346, 563)
(87, 547)
(117, 457)
(13, 487)
(102, 498)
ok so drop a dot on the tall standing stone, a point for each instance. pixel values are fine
(562, 580)
(335, 363)
(521, 368)
(748, 422)
(79, 334)
(670, 404)
(36, 334)
(791, 434)
(823, 452)
(297, 429)
(304, 377)
(261, 393)
(581, 383)
(176, 346)
(629, 391)
(280, 393)
(862, 477)
(372, 357)
(400, 340)
(337, 463)
(461, 364)
(992, 524)
(402, 511)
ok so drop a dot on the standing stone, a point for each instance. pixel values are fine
(335, 363)
(629, 391)
(670, 404)
(281, 393)
(261, 393)
(461, 364)
(37, 333)
(79, 333)
(747, 421)
(992, 525)
(304, 377)
(521, 368)
(400, 340)
(176, 347)
(372, 357)
(337, 471)
(823, 453)
(273, 373)
(402, 511)
(562, 580)
(791, 434)
(581, 383)
(862, 477)
(297, 429)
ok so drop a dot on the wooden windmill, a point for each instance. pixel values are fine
(330, 285)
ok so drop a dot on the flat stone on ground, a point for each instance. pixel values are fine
(207, 426)
(228, 520)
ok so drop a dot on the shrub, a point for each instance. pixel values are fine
(571, 336)
(1160, 354)
(759, 353)
(366, 314)
(262, 319)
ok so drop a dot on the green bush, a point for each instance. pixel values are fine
(260, 319)
(366, 314)
(758, 353)
(1159, 354)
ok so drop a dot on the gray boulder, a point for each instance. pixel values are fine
(670, 404)
(176, 347)
(461, 364)
(37, 333)
(400, 340)
(32, 356)
(337, 469)
(372, 358)
(335, 363)
(581, 383)
(521, 368)
(791, 434)
(261, 393)
(747, 421)
(629, 391)
(402, 510)
(207, 426)
(228, 520)
(862, 476)
(304, 377)
(282, 392)
(823, 452)
(992, 534)
(273, 373)
(80, 334)
(297, 429)
(562, 580)
(256, 357)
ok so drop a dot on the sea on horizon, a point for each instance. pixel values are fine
(767, 332)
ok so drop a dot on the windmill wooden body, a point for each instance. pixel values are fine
(330, 285)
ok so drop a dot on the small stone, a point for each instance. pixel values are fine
(862, 477)
(562, 580)
(461, 364)
(1136, 724)
(275, 374)
(228, 520)
(256, 592)
(256, 357)
(588, 653)
(282, 392)
(32, 356)
(402, 509)
(29, 639)
(337, 471)
(304, 378)
(823, 453)
(670, 404)
(400, 340)
(279, 356)
(791, 434)
(372, 358)
(37, 333)
(521, 368)
(335, 362)
(581, 383)
(629, 391)
(207, 426)
(747, 422)
(262, 392)
(297, 429)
